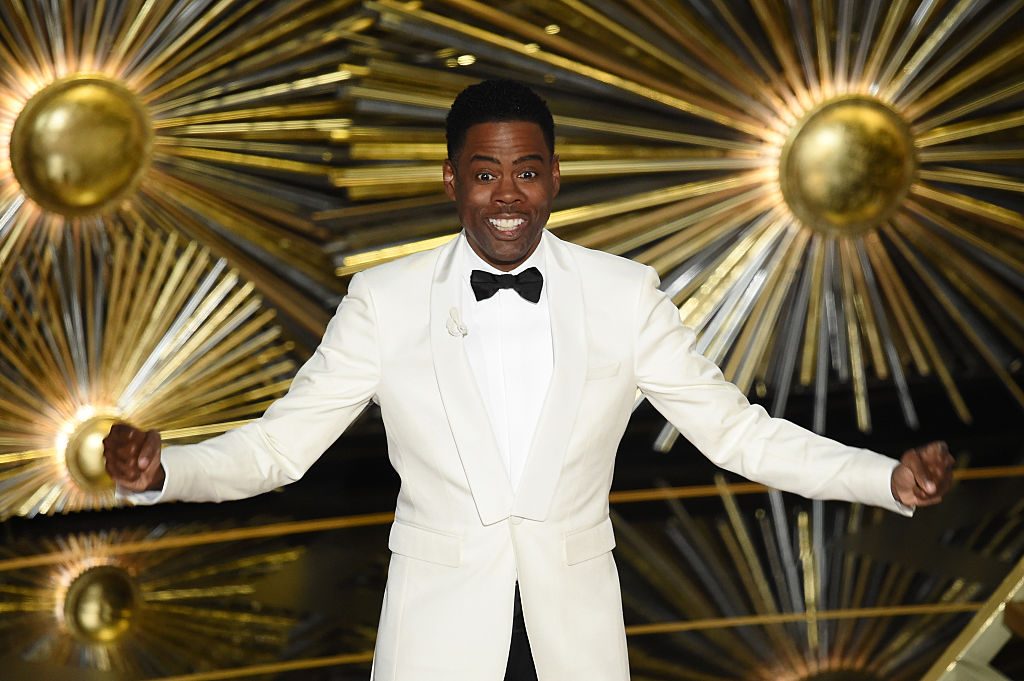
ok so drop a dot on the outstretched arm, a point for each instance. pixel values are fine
(326, 395)
(690, 391)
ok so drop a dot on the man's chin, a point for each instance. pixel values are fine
(507, 259)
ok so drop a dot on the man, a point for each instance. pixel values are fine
(505, 365)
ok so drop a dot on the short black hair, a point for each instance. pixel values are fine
(490, 101)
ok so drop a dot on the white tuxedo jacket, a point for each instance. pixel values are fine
(462, 536)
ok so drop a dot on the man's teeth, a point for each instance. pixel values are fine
(505, 224)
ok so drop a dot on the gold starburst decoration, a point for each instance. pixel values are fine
(127, 325)
(825, 595)
(826, 188)
(210, 119)
(142, 614)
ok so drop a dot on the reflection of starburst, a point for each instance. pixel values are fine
(143, 614)
(826, 189)
(121, 325)
(751, 594)
(209, 118)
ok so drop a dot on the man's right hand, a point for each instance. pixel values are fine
(133, 458)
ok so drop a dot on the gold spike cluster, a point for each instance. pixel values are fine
(115, 108)
(759, 596)
(124, 324)
(142, 614)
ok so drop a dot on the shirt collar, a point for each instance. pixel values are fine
(471, 261)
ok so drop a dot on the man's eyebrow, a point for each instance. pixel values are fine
(491, 159)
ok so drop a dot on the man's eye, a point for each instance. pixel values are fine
(528, 174)
(484, 177)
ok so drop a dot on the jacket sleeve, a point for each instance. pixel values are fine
(326, 395)
(690, 391)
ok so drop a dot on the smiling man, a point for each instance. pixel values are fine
(506, 364)
(503, 176)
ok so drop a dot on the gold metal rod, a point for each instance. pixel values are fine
(718, 281)
(970, 152)
(881, 47)
(249, 118)
(858, 371)
(783, 48)
(197, 431)
(997, 215)
(972, 128)
(761, 340)
(809, 353)
(845, 614)
(883, 262)
(891, 286)
(261, 38)
(675, 249)
(768, 69)
(686, 30)
(274, 668)
(963, 79)
(722, 207)
(126, 39)
(976, 178)
(205, 538)
(1000, 304)
(823, 25)
(810, 581)
(910, 37)
(954, 313)
(993, 248)
(954, 53)
(865, 312)
(200, 31)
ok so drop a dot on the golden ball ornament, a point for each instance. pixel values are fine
(80, 145)
(101, 604)
(847, 165)
(83, 454)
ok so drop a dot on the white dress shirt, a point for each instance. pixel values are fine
(508, 345)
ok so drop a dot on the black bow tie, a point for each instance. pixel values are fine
(527, 283)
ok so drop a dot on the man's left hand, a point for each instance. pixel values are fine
(923, 475)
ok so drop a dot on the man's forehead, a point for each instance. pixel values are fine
(522, 138)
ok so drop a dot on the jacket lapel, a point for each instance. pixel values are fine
(554, 427)
(467, 416)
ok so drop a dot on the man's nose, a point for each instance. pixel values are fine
(507, 192)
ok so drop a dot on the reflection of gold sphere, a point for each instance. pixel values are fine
(100, 603)
(84, 454)
(847, 165)
(80, 145)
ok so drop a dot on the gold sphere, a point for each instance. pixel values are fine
(84, 454)
(100, 604)
(847, 165)
(80, 145)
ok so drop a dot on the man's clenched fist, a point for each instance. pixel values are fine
(924, 475)
(133, 458)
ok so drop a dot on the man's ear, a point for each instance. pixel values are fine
(556, 175)
(448, 172)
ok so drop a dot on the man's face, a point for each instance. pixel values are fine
(503, 182)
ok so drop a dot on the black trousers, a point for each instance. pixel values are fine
(520, 659)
